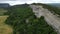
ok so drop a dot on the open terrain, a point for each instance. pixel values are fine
(2, 11)
(4, 28)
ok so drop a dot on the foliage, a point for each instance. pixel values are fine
(17, 19)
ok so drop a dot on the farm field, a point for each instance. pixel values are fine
(4, 28)
(2, 11)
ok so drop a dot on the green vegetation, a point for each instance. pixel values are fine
(54, 10)
(23, 21)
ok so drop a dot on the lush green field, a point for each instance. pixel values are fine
(23, 21)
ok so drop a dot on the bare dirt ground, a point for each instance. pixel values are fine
(4, 28)
(51, 19)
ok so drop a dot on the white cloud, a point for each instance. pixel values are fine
(49, 1)
(13, 2)
(7, 0)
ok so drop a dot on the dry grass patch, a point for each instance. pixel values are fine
(4, 28)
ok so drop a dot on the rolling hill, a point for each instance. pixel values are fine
(24, 21)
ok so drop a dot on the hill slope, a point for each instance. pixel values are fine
(24, 21)
(50, 18)
(52, 9)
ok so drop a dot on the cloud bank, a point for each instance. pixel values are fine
(13, 2)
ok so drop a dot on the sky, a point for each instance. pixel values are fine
(14, 2)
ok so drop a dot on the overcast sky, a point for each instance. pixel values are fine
(13, 2)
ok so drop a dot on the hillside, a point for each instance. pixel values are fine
(52, 9)
(49, 17)
(24, 21)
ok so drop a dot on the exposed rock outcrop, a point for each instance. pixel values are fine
(51, 19)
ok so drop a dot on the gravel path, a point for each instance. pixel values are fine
(51, 19)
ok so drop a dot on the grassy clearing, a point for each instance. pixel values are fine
(2, 19)
(4, 28)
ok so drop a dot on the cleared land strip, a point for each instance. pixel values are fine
(4, 28)
(51, 19)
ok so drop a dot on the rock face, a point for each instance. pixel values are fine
(51, 19)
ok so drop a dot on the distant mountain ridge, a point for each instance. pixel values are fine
(54, 4)
(4, 5)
